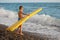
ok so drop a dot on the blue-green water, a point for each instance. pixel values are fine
(52, 9)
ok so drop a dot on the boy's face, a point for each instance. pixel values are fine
(21, 9)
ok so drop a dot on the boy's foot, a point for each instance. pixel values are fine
(21, 34)
(18, 33)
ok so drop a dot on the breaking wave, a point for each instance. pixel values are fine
(44, 24)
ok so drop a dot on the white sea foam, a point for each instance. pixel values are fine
(44, 24)
(7, 13)
(7, 17)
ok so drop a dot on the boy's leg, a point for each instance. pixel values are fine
(18, 30)
(21, 29)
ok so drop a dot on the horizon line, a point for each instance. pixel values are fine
(29, 2)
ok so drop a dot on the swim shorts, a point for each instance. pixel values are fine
(18, 19)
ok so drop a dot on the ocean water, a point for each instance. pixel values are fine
(45, 22)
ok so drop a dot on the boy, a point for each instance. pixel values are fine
(20, 15)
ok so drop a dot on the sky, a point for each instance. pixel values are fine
(27, 1)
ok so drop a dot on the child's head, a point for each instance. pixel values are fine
(21, 8)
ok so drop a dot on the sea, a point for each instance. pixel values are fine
(45, 22)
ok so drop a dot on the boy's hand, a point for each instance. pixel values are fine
(22, 17)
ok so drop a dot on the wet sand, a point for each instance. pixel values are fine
(7, 35)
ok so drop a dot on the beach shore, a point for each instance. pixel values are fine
(7, 35)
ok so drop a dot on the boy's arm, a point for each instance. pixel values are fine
(25, 14)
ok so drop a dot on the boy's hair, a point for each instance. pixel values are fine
(20, 7)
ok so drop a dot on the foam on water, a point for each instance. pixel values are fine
(7, 17)
(43, 24)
